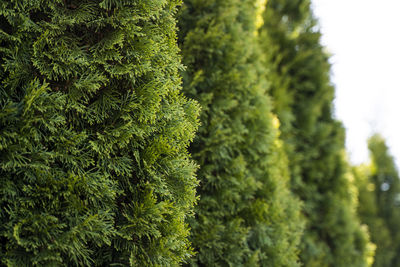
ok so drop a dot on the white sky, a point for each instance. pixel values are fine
(364, 38)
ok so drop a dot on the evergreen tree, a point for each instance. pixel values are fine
(93, 135)
(314, 141)
(379, 198)
(246, 216)
(368, 213)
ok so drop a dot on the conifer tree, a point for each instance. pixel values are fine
(314, 141)
(379, 198)
(246, 216)
(93, 135)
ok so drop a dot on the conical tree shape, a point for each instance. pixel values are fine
(314, 140)
(379, 198)
(246, 215)
(93, 135)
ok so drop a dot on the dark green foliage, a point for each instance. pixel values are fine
(246, 215)
(314, 140)
(93, 135)
(379, 199)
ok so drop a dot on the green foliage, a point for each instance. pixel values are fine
(379, 199)
(246, 215)
(298, 71)
(93, 135)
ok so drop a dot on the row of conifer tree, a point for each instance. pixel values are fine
(161, 133)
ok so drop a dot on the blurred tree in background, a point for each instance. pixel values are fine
(93, 135)
(379, 198)
(246, 215)
(299, 73)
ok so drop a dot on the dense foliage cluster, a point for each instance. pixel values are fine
(300, 86)
(93, 135)
(98, 121)
(379, 198)
(246, 215)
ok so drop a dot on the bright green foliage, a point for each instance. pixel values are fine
(246, 215)
(314, 140)
(379, 199)
(368, 213)
(93, 135)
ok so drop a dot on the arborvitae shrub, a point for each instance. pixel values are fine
(245, 216)
(93, 135)
(298, 71)
(368, 213)
(379, 198)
